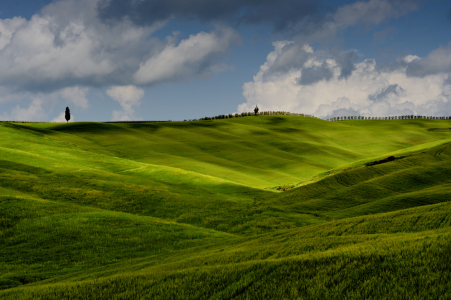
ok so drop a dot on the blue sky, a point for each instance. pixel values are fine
(174, 60)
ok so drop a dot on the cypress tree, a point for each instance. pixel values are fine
(67, 114)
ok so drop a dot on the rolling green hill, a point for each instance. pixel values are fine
(197, 210)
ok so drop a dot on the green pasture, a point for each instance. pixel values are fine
(267, 207)
(393, 255)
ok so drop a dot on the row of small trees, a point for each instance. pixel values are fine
(342, 118)
(386, 118)
(248, 114)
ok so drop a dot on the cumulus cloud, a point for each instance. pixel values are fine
(194, 56)
(109, 42)
(32, 60)
(311, 75)
(346, 60)
(129, 97)
(288, 55)
(67, 45)
(67, 48)
(368, 90)
(295, 53)
(392, 91)
(72, 45)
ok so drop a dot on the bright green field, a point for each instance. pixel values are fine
(267, 207)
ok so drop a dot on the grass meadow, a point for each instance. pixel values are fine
(264, 207)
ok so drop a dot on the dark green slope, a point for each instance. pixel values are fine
(411, 180)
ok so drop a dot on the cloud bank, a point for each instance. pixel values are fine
(329, 83)
(67, 48)
(73, 45)
(326, 84)
(68, 45)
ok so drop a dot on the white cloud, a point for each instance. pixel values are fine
(32, 58)
(187, 59)
(129, 97)
(368, 90)
(61, 118)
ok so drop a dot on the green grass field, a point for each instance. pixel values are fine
(267, 207)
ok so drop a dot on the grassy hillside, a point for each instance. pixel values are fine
(259, 151)
(194, 209)
(393, 255)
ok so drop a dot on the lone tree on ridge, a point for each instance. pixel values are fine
(256, 110)
(67, 115)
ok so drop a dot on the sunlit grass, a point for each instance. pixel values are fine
(191, 210)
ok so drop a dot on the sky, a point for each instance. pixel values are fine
(115, 60)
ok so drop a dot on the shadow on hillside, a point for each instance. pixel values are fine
(152, 127)
(203, 124)
(86, 127)
(34, 130)
(276, 120)
(11, 165)
(440, 129)
(288, 130)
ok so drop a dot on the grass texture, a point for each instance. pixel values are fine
(267, 207)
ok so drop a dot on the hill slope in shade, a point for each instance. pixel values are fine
(190, 209)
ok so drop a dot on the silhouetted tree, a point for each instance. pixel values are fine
(256, 110)
(67, 115)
